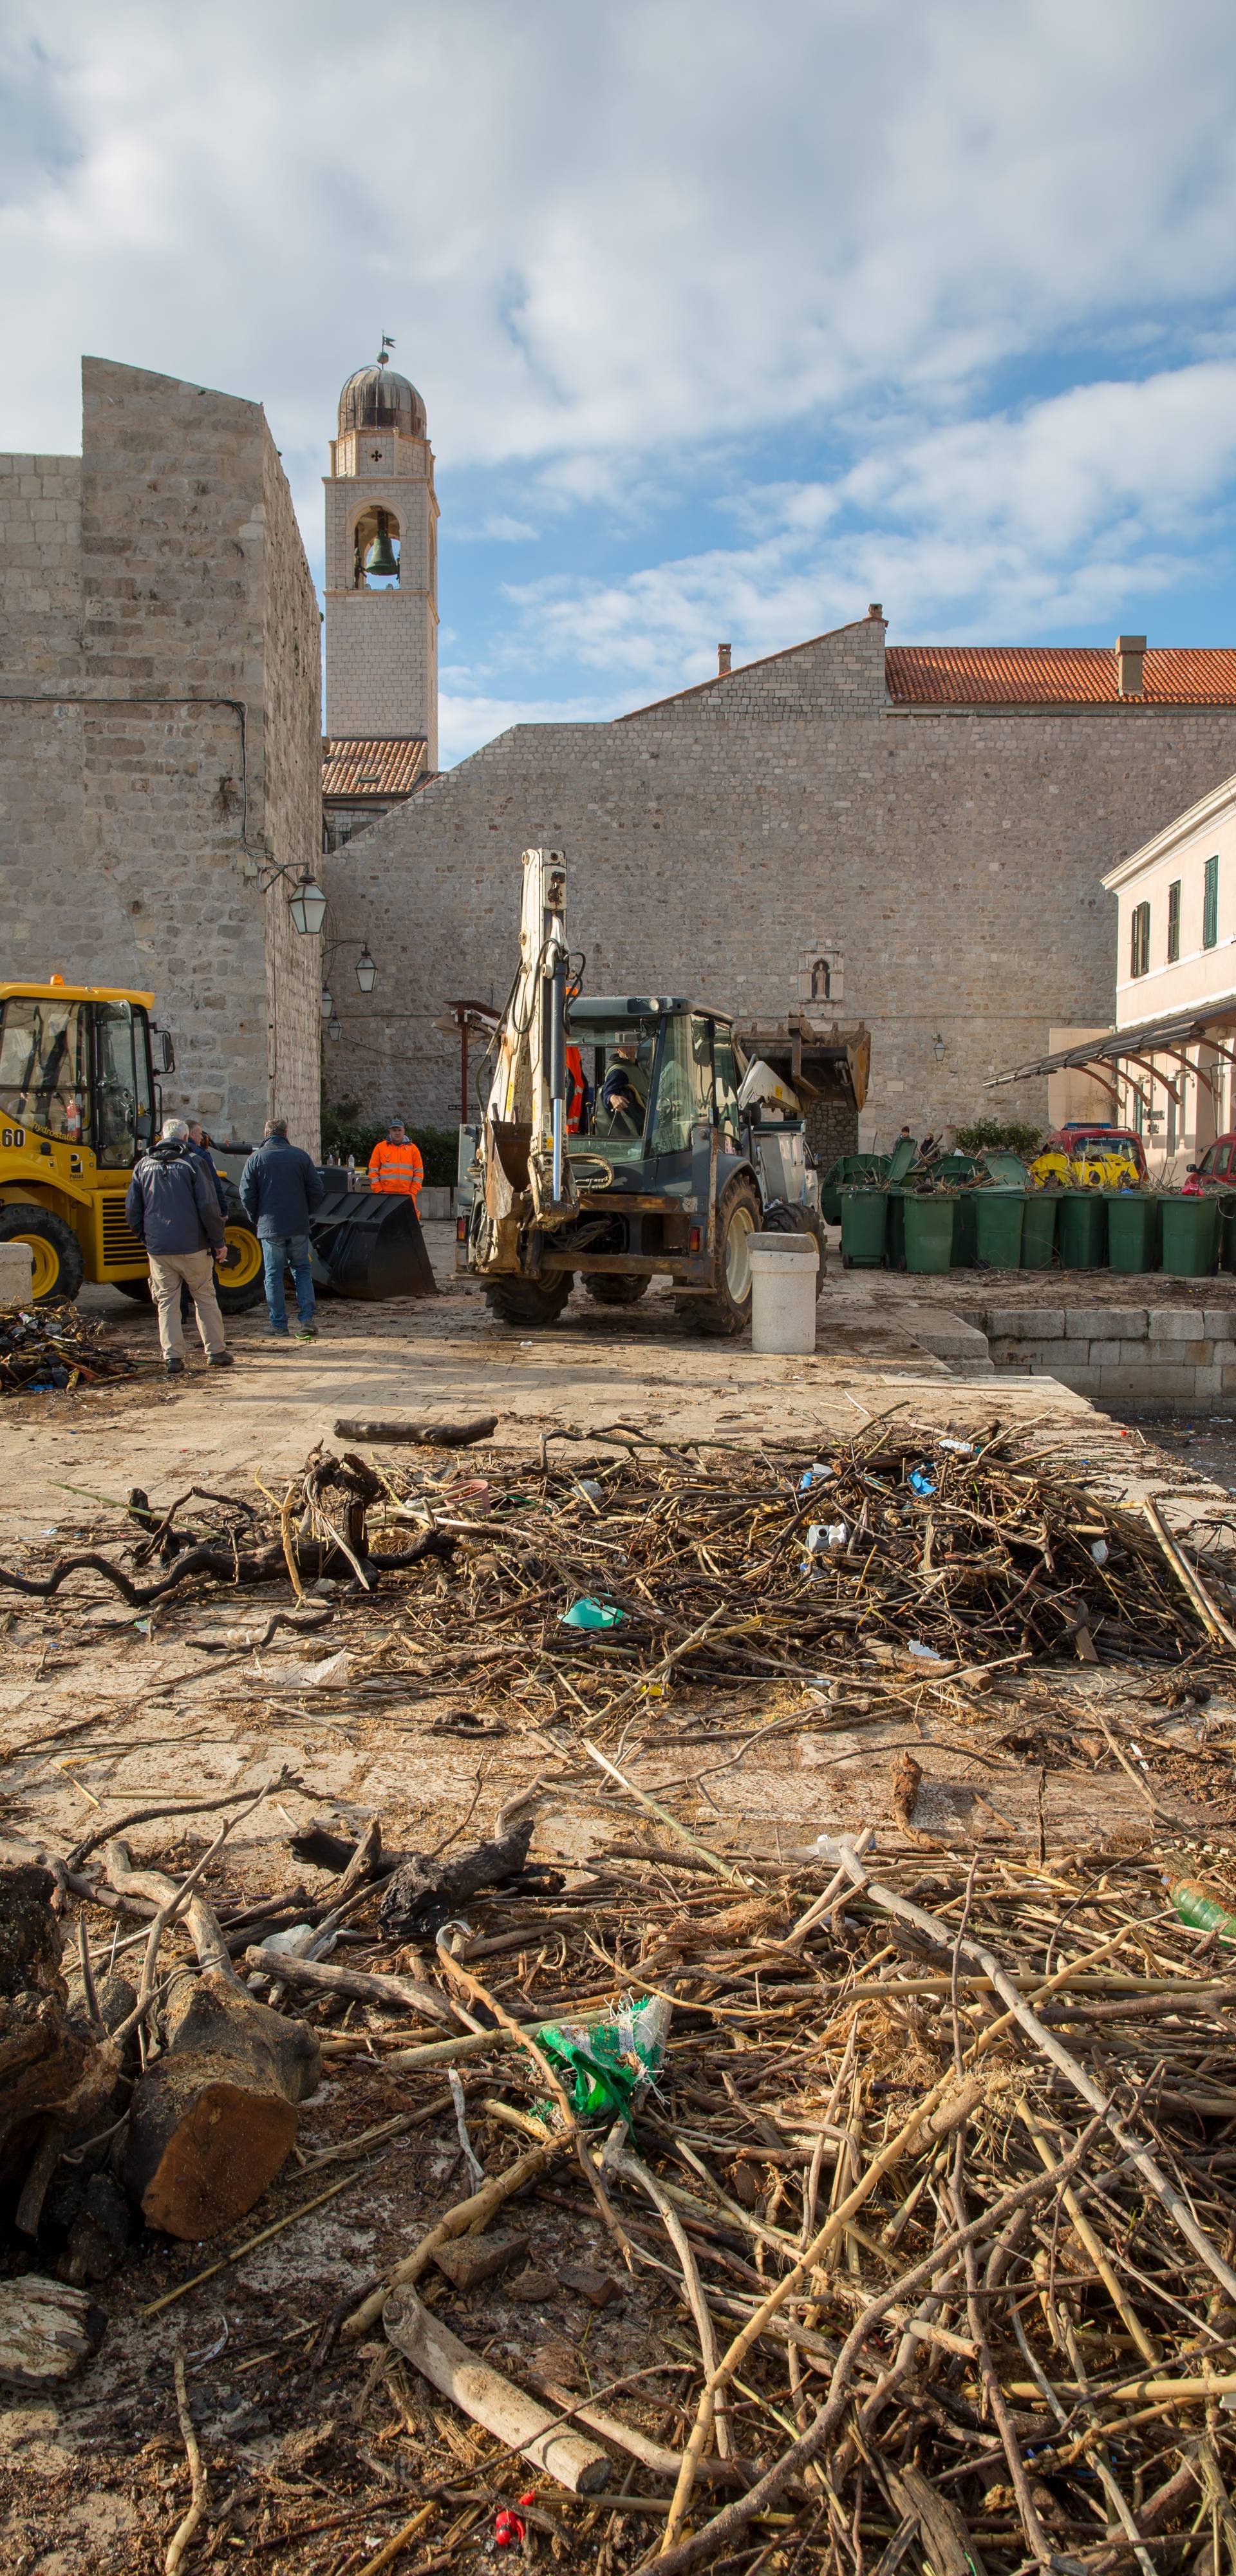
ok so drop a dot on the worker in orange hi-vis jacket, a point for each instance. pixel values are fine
(396, 1163)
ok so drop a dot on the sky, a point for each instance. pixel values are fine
(727, 319)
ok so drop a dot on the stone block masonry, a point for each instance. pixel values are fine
(1142, 1358)
(951, 856)
(160, 735)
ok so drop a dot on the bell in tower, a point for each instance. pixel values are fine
(381, 561)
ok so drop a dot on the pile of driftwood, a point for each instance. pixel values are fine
(924, 2198)
(616, 1575)
(54, 1348)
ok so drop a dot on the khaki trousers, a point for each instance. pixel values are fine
(196, 1269)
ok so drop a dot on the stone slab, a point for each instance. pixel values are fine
(1103, 1323)
(16, 1274)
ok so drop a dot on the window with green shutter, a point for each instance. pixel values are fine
(1139, 954)
(1173, 922)
(1210, 905)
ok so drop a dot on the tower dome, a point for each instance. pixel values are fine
(377, 398)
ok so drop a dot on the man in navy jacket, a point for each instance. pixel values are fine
(279, 1188)
(173, 1210)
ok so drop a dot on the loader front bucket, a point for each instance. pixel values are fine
(369, 1244)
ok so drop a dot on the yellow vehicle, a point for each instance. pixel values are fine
(1087, 1169)
(79, 1104)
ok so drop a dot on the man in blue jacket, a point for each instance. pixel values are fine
(279, 1189)
(173, 1210)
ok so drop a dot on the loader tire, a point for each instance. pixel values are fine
(727, 1308)
(610, 1288)
(529, 1301)
(57, 1255)
(244, 1286)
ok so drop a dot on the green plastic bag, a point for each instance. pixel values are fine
(608, 2060)
(590, 1613)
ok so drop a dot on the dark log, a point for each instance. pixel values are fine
(47, 2059)
(214, 2117)
(426, 1889)
(424, 1435)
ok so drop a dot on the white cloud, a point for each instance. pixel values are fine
(623, 250)
(1070, 511)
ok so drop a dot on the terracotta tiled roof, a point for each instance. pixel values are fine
(1054, 675)
(360, 769)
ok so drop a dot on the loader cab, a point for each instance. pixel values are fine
(78, 1066)
(658, 1076)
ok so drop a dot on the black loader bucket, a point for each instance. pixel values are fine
(368, 1243)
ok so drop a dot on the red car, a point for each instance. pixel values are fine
(1074, 1139)
(1219, 1159)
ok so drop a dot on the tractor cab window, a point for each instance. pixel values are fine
(45, 1066)
(727, 1078)
(618, 1061)
(124, 1110)
(684, 1085)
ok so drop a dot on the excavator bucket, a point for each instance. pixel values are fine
(368, 1244)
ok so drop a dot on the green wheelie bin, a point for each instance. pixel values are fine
(997, 1228)
(864, 1228)
(1131, 1216)
(928, 1218)
(1038, 1229)
(1190, 1235)
(1081, 1230)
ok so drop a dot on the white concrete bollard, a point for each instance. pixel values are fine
(16, 1274)
(784, 1281)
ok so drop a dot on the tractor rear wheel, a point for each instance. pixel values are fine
(56, 1253)
(727, 1308)
(612, 1288)
(529, 1301)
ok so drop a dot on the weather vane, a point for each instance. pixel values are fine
(386, 348)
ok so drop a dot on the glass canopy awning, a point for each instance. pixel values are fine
(1117, 1046)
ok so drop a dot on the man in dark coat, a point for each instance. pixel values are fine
(279, 1187)
(174, 1211)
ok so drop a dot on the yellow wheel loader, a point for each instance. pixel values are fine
(78, 1105)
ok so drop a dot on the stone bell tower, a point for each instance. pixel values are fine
(382, 566)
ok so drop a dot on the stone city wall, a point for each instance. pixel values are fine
(951, 858)
(133, 805)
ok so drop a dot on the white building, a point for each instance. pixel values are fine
(1167, 1066)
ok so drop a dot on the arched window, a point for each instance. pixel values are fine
(376, 549)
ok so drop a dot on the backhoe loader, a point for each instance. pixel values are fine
(623, 1139)
(79, 1103)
